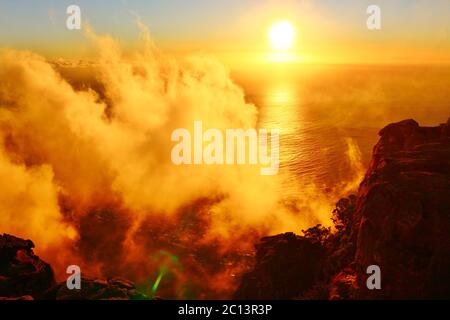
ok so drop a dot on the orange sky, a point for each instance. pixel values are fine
(413, 31)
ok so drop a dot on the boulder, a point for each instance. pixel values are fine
(22, 273)
(286, 266)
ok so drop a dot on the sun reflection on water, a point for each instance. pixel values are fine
(280, 109)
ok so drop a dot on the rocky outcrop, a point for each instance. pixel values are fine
(22, 274)
(403, 213)
(399, 221)
(97, 289)
(274, 271)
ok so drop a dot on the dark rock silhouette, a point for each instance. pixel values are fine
(21, 272)
(274, 272)
(97, 289)
(399, 220)
(403, 213)
(23, 276)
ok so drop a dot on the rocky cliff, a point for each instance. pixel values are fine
(399, 220)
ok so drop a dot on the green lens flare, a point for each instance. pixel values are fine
(168, 261)
(161, 274)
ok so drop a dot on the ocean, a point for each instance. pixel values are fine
(329, 116)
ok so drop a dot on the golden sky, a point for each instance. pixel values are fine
(326, 31)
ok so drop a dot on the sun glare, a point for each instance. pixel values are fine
(282, 35)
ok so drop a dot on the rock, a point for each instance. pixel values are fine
(23, 276)
(403, 213)
(286, 266)
(400, 221)
(21, 272)
(344, 285)
(97, 289)
(17, 298)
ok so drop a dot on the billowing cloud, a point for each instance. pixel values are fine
(89, 172)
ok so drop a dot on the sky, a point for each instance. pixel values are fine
(327, 30)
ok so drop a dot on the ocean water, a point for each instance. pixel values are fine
(329, 116)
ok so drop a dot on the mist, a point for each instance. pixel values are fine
(87, 175)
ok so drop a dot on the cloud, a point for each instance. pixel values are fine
(90, 171)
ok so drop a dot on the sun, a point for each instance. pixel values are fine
(282, 35)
